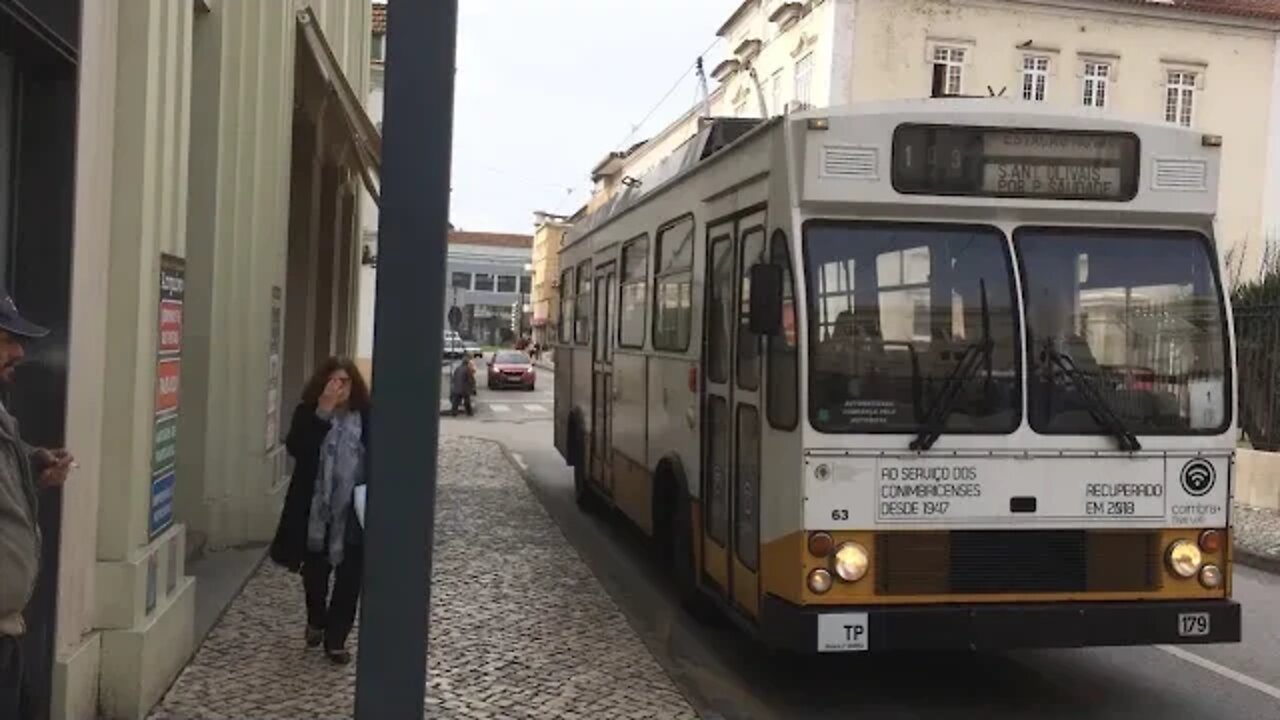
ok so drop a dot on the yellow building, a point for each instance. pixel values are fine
(185, 220)
(549, 231)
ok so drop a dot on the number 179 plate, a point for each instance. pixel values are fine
(1193, 624)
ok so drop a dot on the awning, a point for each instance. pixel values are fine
(332, 96)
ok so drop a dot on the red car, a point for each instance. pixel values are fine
(511, 369)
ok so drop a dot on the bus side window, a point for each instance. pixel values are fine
(633, 293)
(582, 305)
(566, 306)
(749, 345)
(782, 371)
(673, 286)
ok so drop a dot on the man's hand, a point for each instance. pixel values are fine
(57, 464)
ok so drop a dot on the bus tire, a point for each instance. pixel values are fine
(583, 495)
(683, 565)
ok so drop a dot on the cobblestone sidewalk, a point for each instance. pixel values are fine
(519, 626)
(1257, 532)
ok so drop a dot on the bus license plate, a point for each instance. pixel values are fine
(842, 632)
(1193, 624)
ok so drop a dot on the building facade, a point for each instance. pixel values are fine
(549, 231)
(183, 215)
(1214, 66)
(490, 279)
(368, 207)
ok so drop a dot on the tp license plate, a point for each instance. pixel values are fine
(842, 632)
(1193, 624)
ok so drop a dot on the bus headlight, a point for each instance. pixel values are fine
(1184, 558)
(851, 561)
(819, 581)
(1211, 577)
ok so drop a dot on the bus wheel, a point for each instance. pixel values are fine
(683, 566)
(582, 494)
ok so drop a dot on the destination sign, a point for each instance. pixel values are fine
(1015, 162)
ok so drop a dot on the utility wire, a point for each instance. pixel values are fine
(657, 106)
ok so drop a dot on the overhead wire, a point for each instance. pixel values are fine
(635, 127)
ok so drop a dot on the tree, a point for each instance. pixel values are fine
(1256, 305)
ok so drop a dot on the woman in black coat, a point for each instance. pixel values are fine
(334, 409)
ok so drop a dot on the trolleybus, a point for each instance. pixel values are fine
(938, 374)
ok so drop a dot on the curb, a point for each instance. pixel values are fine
(1257, 561)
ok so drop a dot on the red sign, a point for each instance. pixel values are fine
(167, 381)
(170, 326)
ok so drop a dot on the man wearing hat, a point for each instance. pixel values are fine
(23, 469)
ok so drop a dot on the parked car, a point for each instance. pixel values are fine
(472, 348)
(453, 347)
(509, 368)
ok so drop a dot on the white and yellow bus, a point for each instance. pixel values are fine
(916, 375)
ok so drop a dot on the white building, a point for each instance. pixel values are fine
(1208, 64)
(369, 208)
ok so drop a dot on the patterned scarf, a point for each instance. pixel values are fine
(341, 469)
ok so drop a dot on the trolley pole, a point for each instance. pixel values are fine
(408, 334)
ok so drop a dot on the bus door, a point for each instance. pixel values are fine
(602, 393)
(730, 428)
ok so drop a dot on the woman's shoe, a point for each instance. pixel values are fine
(338, 657)
(315, 636)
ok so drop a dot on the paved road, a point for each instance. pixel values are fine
(728, 676)
(508, 406)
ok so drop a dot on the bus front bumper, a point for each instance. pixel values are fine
(808, 629)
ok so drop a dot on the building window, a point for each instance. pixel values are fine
(1035, 77)
(526, 283)
(461, 281)
(1180, 90)
(484, 282)
(582, 309)
(948, 71)
(673, 287)
(378, 48)
(634, 291)
(1097, 76)
(507, 283)
(566, 306)
(804, 80)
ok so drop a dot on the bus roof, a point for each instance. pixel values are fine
(717, 135)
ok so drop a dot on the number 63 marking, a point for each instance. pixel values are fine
(839, 514)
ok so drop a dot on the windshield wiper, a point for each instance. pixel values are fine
(976, 356)
(1099, 408)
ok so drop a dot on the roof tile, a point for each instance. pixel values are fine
(1250, 9)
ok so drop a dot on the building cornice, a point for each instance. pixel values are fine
(1150, 11)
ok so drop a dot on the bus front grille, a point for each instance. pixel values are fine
(973, 562)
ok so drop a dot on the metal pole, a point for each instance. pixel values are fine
(408, 333)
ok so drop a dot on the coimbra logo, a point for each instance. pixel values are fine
(1198, 477)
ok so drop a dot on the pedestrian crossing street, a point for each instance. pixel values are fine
(506, 405)
(492, 406)
(506, 408)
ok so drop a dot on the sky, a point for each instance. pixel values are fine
(545, 88)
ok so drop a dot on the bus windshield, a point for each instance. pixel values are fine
(896, 311)
(1140, 317)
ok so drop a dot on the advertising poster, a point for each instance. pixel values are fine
(164, 438)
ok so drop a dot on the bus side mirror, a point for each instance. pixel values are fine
(766, 300)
